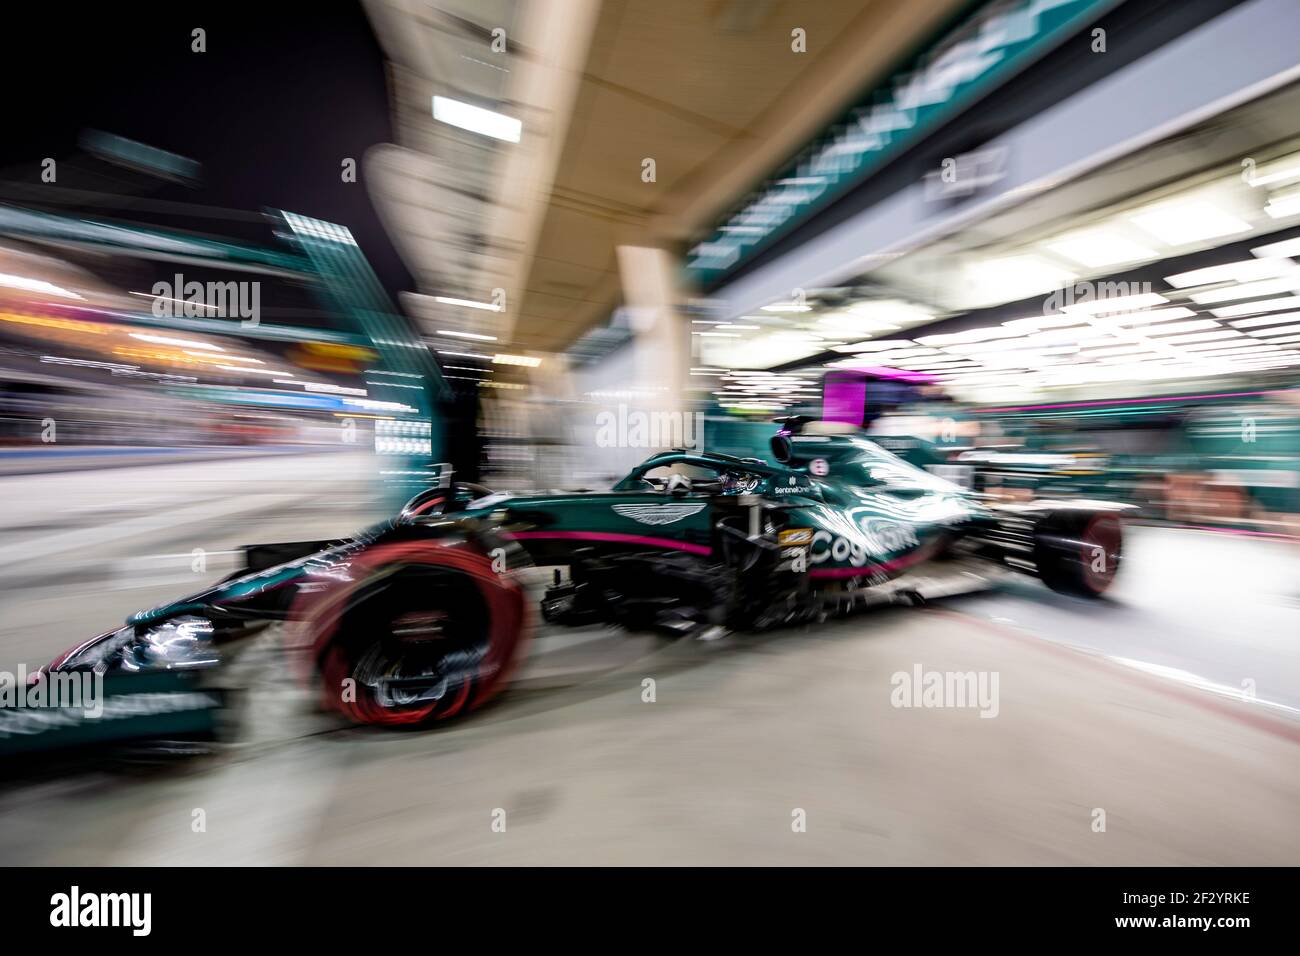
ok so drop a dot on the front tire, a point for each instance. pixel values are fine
(415, 632)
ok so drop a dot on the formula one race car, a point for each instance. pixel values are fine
(424, 617)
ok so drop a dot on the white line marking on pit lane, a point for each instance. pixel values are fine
(26, 551)
(1201, 683)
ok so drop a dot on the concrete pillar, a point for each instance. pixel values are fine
(661, 335)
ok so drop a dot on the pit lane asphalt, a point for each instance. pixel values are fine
(1121, 706)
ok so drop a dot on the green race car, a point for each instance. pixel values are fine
(425, 616)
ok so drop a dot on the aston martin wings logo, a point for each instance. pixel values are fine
(660, 514)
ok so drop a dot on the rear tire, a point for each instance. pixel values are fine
(1079, 552)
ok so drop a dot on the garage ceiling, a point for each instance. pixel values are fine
(709, 89)
(715, 95)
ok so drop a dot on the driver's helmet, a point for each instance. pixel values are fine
(735, 483)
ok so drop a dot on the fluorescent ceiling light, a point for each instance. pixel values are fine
(1115, 350)
(1278, 171)
(473, 355)
(901, 353)
(1283, 204)
(1282, 330)
(1065, 336)
(984, 334)
(476, 119)
(787, 307)
(1249, 290)
(1146, 318)
(1195, 325)
(918, 364)
(1268, 305)
(1276, 318)
(1099, 247)
(1287, 247)
(528, 361)
(888, 311)
(1200, 337)
(1141, 355)
(978, 373)
(1121, 303)
(468, 303)
(1041, 322)
(1182, 222)
(878, 346)
(1283, 208)
(467, 335)
(1227, 347)
(974, 348)
(1009, 278)
(1247, 270)
(1284, 357)
(849, 326)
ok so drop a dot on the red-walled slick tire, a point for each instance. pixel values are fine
(413, 632)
